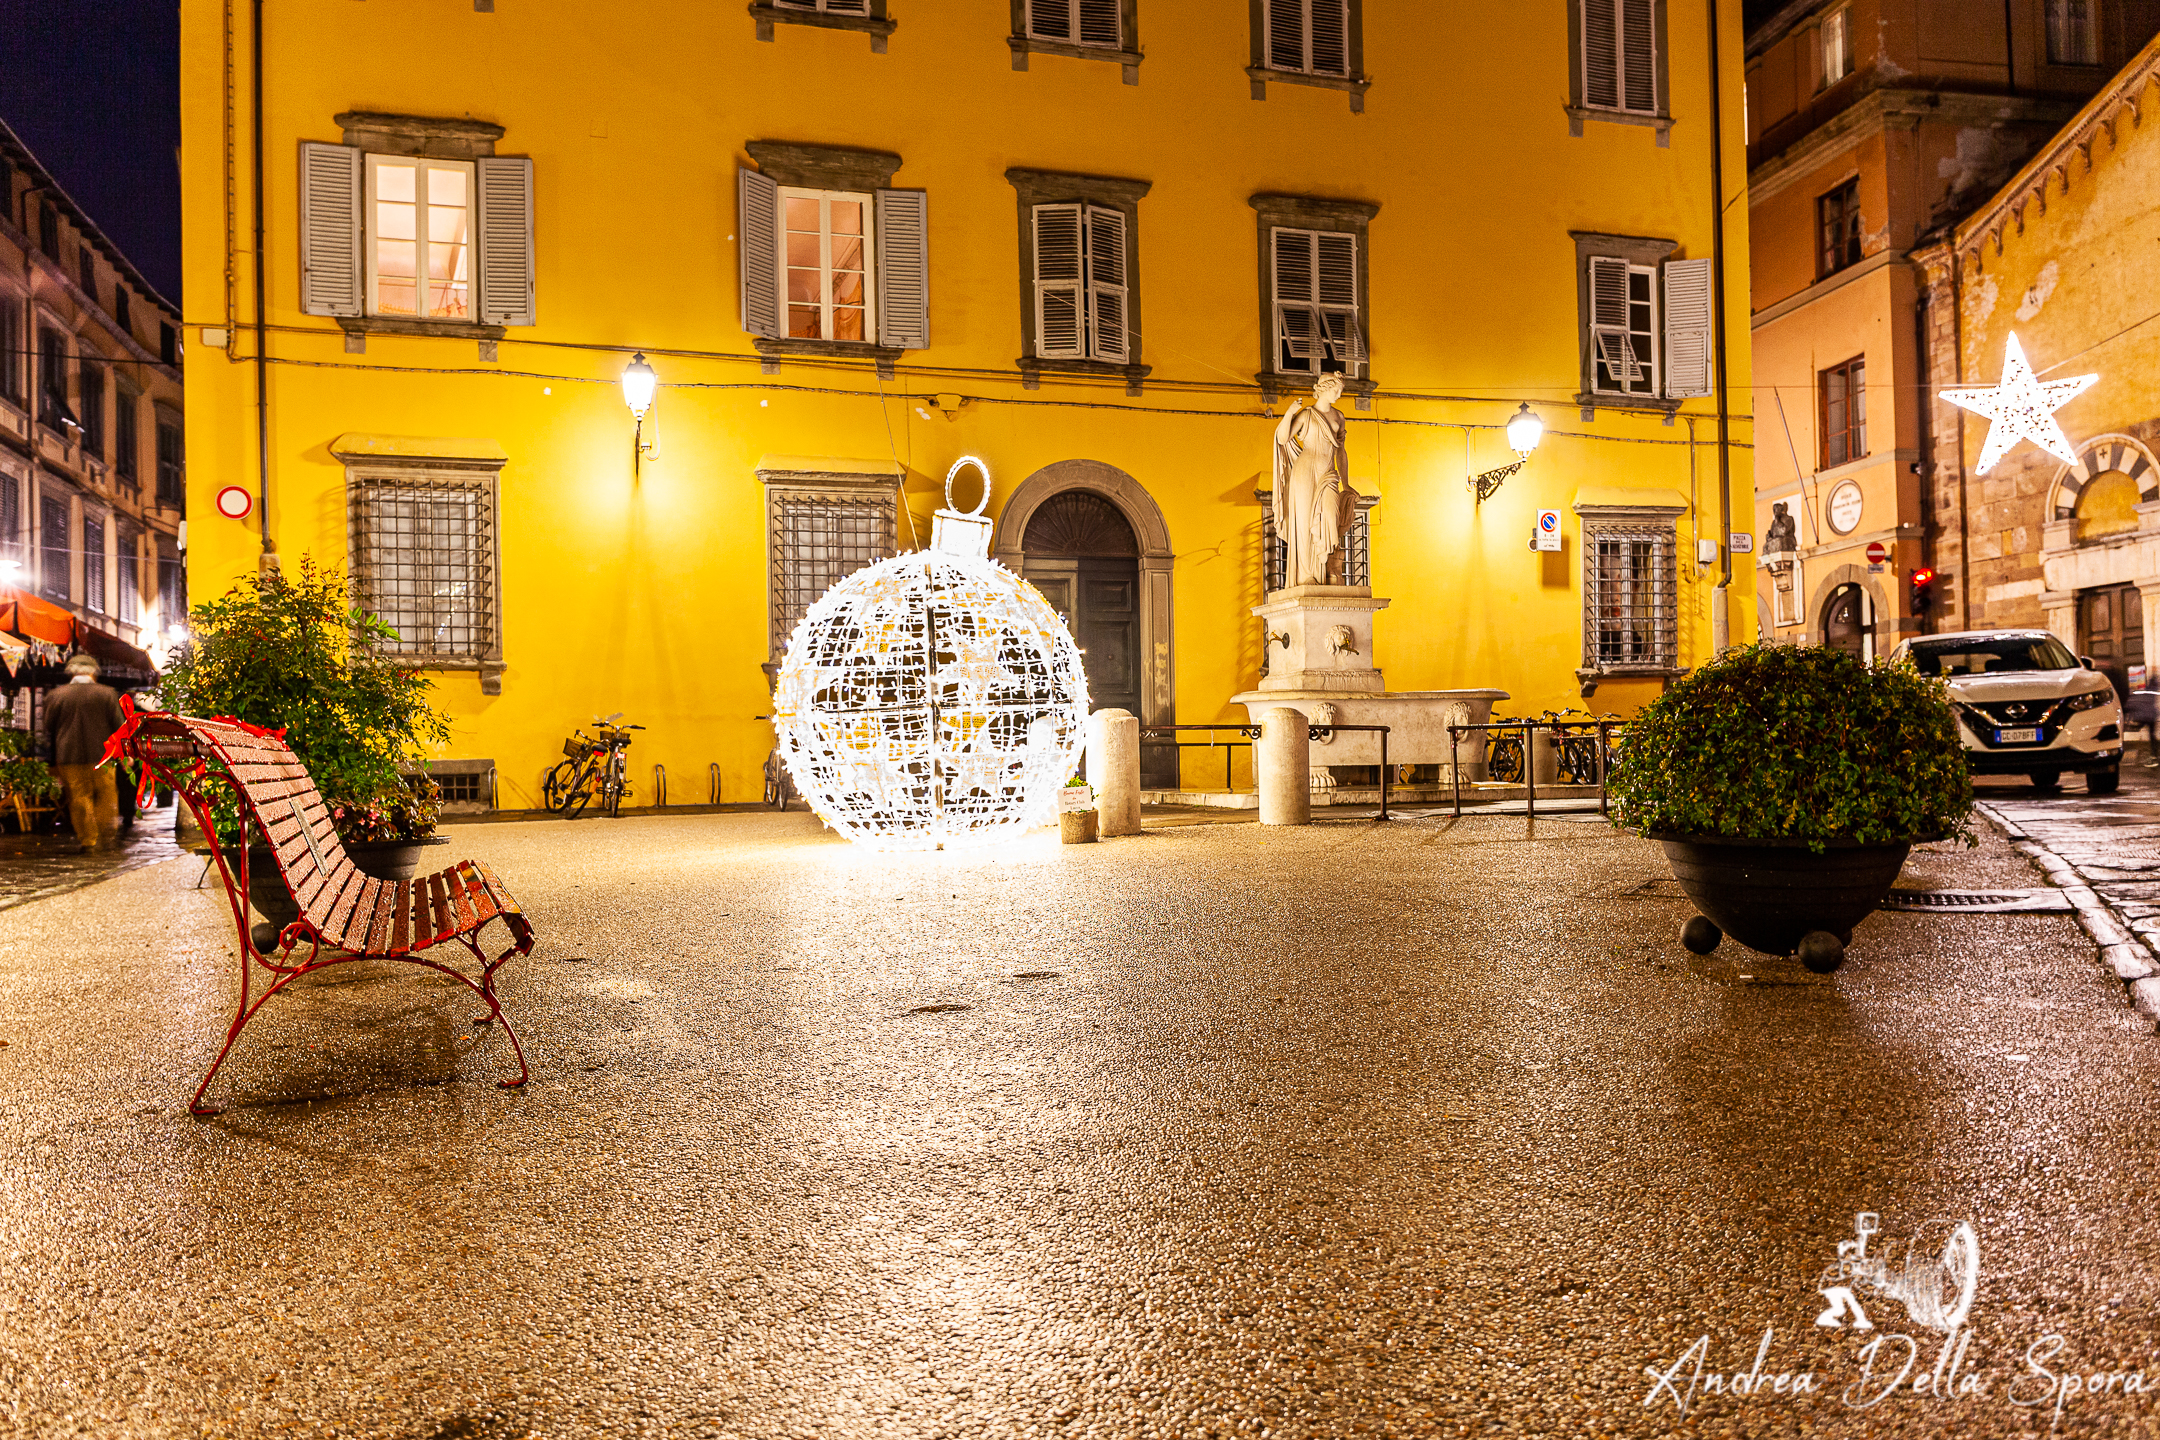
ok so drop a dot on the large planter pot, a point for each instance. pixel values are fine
(382, 859)
(1779, 897)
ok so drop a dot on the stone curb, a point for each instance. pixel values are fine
(2121, 948)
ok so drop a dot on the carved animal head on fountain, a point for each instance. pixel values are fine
(1342, 640)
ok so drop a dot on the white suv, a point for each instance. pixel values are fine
(2026, 705)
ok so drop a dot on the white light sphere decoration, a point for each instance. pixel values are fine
(933, 699)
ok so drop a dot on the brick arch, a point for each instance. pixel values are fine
(2097, 456)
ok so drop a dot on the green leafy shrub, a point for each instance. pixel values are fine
(1787, 742)
(295, 654)
(21, 772)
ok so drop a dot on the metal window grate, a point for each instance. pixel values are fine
(458, 789)
(817, 541)
(424, 561)
(1630, 601)
(1275, 551)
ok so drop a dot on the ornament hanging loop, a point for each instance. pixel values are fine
(980, 469)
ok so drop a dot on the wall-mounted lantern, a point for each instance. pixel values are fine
(639, 380)
(1524, 430)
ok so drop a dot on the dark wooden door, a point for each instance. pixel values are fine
(2111, 629)
(1097, 598)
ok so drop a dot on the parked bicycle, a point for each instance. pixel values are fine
(1575, 750)
(591, 768)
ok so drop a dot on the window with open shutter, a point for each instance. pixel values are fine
(330, 270)
(1081, 285)
(903, 269)
(759, 230)
(1075, 22)
(1317, 326)
(506, 240)
(1623, 327)
(1687, 328)
(1619, 55)
(1309, 36)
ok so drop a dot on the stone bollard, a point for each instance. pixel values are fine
(1113, 767)
(1283, 759)
(1544, 757)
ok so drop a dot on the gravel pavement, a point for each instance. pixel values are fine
(1429, 1128)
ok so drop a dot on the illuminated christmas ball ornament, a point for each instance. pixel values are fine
(933, 699)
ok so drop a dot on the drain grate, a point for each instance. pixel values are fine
(1978, 902)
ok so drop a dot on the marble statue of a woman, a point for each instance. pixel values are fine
(1314, 503)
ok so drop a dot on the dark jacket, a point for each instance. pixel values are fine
(79, 719)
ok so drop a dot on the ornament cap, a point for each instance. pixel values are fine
(955, 533)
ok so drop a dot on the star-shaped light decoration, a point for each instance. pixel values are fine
(2022, 407)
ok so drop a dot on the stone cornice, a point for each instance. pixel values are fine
(1890, 108)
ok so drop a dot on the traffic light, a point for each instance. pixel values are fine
(1923, 590)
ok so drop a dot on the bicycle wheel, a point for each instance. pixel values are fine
(1505, 762)
(611, 789)
(555, 789)
(581, 791)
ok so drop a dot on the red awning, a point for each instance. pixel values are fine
(35, 619)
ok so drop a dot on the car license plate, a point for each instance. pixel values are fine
(2025, 736)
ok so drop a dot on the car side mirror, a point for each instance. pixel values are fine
(2087, 662)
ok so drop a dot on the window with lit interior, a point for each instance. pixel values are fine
(419, 252)
(828, 262)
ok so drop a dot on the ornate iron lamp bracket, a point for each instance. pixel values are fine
(1488, 484)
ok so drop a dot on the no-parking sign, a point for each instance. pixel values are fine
(1548, 530)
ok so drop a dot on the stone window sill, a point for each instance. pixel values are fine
(1592, 402)
(1024, 45)
(1275, 384)
(1355, 85)
(886, 356)
(1577, 114)
(876, 27)
(1589, 677)
(489, 670)
(1033, 368)
(358, 327)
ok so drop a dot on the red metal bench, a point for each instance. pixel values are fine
(345, 915)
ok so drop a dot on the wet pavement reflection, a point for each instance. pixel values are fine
(1427, 1128)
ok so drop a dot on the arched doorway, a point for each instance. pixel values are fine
(1849, 621)
(1152, 646)
(1080, 551)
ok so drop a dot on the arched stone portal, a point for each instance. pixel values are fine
(1156, 677)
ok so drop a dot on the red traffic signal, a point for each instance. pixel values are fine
(1922, 583)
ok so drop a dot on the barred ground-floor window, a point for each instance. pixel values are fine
(424, 561)
(821, 527)
(1630, 588)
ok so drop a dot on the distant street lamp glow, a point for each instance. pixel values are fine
(1524, 430)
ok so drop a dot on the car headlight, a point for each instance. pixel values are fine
(2090, 700)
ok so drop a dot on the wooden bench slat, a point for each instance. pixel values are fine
(385, 908)
(401, 919)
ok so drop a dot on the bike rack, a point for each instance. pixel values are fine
(1529, 728)
(659, 785)
(712, 783)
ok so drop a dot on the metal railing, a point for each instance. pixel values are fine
(1250, 733)
(1527, 729)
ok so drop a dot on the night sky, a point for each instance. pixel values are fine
(93, 88)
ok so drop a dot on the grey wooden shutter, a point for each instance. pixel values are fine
(1295, 331)
(1601, 53)
(1050, 19)
(1638, 56)
(1330, 37)
(1058, 283)
(506, 240)
(331, 279)
(1687, 328)
(1098, 23)
(758, 233)
(1286, 34)
(1335, 287)
(903, 269)
(1107, 288)
(1609, 319)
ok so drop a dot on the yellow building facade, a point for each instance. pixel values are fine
(1099, 247)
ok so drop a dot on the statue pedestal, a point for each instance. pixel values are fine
(1320, 661)
(1319, 639)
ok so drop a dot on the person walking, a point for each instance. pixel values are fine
(80, 717)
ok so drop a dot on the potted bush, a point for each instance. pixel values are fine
(1787, 786)
(23, 774)
(295, 654)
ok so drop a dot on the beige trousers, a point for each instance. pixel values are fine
(93, 802)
